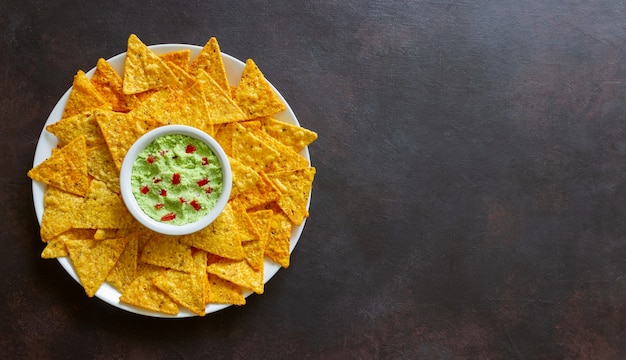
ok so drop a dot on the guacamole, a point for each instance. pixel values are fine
(177, 179)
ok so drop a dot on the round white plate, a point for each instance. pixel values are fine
(47, 142)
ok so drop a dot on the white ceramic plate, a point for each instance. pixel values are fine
(47, 142)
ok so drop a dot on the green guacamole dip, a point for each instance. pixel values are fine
(177, 179)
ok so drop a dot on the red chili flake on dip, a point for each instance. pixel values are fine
(181, 165)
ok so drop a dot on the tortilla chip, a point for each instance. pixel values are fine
(186, 289)
(239, 273)
(279, 239)
(143, 69)
(180, 58)
(252, 151)
(190, 109)
(183, 79)
(224, 292)
(295, 187)
(94, 259)
(210, 61)
(224, 136)
(75, 126)
(169, 252)
(125, 270)
(255, 95)
(222, 109)
(56, 246)
(65, 168)
(245, 228)
(255, 249)
(83, 97)
(143, 293)
(244, 177)
(293, 136)
(289, 159)
(264, 192)
(219, 238)
(102, 209)
(100, 166)
(109, 84)
(103, 234)
(59, 209)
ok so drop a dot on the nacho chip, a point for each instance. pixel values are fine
(295, 187)
(144, 294)
(143, 69)
(183, 79)
(102, 209)
(125, 270)
(264, 192)
(278, 242)
(103, 234)
(56, 246)
(83, 97)
(65, 168)
(219, 238)
(180, 58)
(252, 151)
(109, 84)
(190, 109)
(224, 136)
(169, 252)
(59, 209)
(239, 273)
(222, 109)
(100, 166)
(293, 136)
(224, 292)
(75, 126)
(186, 289)
(255, 95)
(244, 177)
(94, 259)
(255, 250)
(210, 61)
(289, 159)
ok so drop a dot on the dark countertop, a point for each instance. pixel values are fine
(469, 201)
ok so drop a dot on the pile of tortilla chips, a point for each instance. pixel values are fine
(85, 218)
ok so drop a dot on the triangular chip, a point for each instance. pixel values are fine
(65, 168)
(224, 292)
(190, 109)
(279, 240)
(294, 136)
(59, 210)
(289, 159)
(169, 252)
(94, 259)
(252, 151)
(186, 289)
(295, 187)
(102, 209)
(180, 58)
(75, 126)
(219, 238)
(143, 293)
(255, 95)
(244, 177)
(222, 109)
(109, 84)
(238, 272)
(56, 246)
(255, 249)
(125, 270)
(263, 192)
(100, 166)
(83, 97)
(143, 69)
(210, 61)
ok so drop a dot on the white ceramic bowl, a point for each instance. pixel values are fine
(131, 201)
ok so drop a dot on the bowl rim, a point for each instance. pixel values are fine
(131, 202)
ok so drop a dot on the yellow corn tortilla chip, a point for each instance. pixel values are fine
(109, 83)
(251, 150)
(83, 97)
(255, 250)
(296, 137)
(239, 273)
(279, 239)
(125, 270)
(190, 109)
(94, 259)
(103, 234)
(102, 209)
(56, 246)
(244, 177)
(100, 166)
(224, 136)
(144, 294)
(180, 58)
(183, 79)
(72, 127)
(143, 69)
(295, 187)
(219, 238)
(65, 168)
(254, 94)
(59, 209)
(222, 291)
(169, 252)
(222, 109)
(210, 61)
(289, 159)
(245, 228)
(264, 192)
(186, 289)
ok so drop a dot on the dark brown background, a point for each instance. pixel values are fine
(470, 195)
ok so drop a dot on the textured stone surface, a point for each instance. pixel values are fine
(469, 199)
